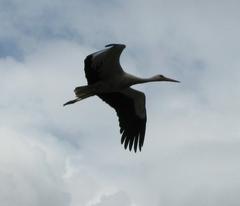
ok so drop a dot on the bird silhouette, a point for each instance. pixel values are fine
(112, 84)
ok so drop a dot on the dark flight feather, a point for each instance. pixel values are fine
(132, 127)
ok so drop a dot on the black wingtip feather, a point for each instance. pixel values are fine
(126, 142)
(124, 136)
(136, 143)
(132, 127)
(131, 142)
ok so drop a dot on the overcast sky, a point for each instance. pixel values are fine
(71, 156)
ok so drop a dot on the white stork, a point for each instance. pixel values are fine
(108, 81)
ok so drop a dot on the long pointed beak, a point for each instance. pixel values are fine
(72, 101)
(170, 80)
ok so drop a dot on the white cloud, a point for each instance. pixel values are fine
(27, 176)
(52, 155)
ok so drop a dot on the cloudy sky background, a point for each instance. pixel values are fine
(55, 156)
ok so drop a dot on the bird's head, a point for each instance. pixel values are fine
(160, 77)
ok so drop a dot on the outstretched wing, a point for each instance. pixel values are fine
(103, 64)
(129, 104)
(131, 111)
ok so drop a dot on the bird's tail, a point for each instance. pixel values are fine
(82, 92)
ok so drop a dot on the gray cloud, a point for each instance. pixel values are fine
(119, 198)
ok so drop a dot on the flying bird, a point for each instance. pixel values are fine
(112, 84)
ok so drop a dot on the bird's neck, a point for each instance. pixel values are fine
(138, 80)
